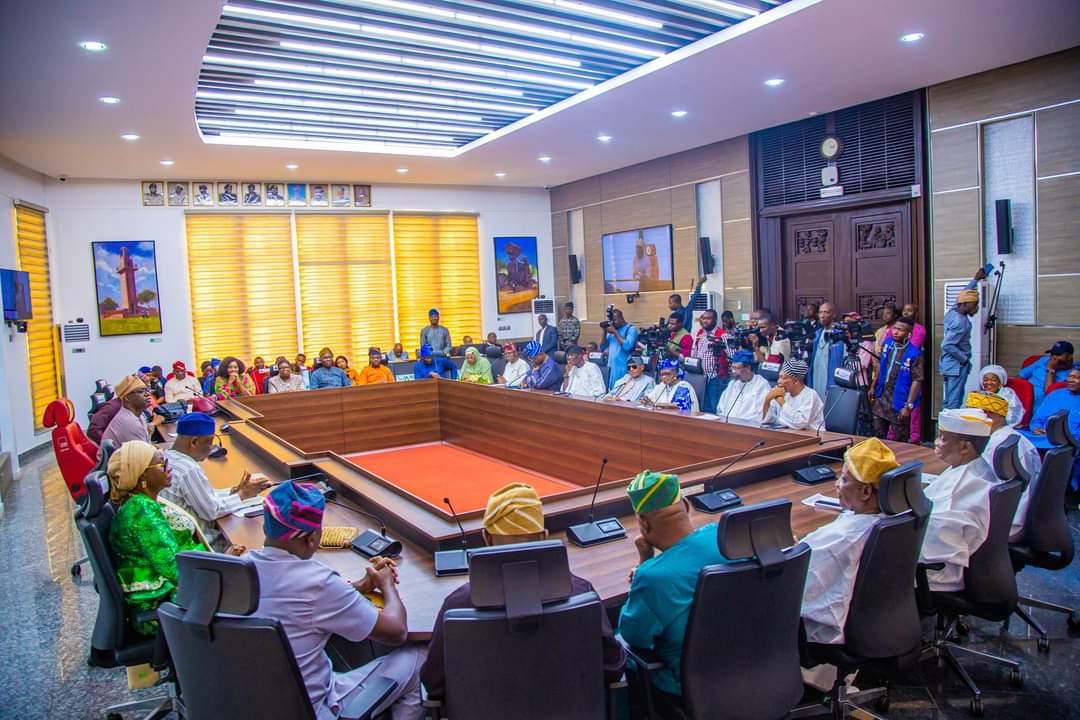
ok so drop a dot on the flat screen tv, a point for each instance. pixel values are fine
(15, 291)
(638, 260)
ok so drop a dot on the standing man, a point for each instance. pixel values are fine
(955, 363)
(328, 375)
(889, 315)
(896, 391)
(128, 423)
(1052, 368)
(713, 365)
(547, 336)
(769, 346)
(569, 327)
(181, 387)
(680, 343)
(583, 378)
(435, 336)
(620, 339)
(675, 305)
(727, 320)
(825, 356)
(809, 313)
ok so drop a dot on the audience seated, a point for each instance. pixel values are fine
(328, 375)
(398, 354)
(515, 369)
(634, 385)
(514, 514)
(342, 362)
(897, 389)
(232, 381)
(128, 423)
(960, 518)
(209, 375)
(100, 420)
(313, 603)
(190, 488)
(583, 378)
(154, 378)
(435, 335)
(376, 372)
(545, 373)
(286, 380)
(259, 372)
(1066, 398)
(181, 387)
(672, 392)
(993, 379)
(475, 369)
(789, 404)
(1052, 368)
(430, 366)
(662, 585)
(492, 345)
(744, 396)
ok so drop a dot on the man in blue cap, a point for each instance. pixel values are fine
(427, 365)
(314, 603)
(190, 488)
(744, 396)
(545, 373)
(436, 335)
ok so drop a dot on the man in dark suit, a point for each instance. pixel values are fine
(547, 336)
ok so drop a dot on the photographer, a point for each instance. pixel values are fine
(619, 340)
(826, 355)
(767, 343)
(709, 348)
(680, 343)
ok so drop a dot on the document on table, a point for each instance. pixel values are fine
(823, 502)
(247, 505)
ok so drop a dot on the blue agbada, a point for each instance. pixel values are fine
(439, 367)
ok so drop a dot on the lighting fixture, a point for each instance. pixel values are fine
(382, 122)
(167, 163)
(544, 159)
(93, 45)
(291, 166)
(585, 9)
(500, 174)
(402, 171)
(604, 138)
(332, 105)
(728, 7)
(387, 95)
(130, 137)
(678, 113)
(774, 82)
(912, 37)
(108, 100)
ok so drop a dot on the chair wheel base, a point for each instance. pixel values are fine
(1043, 644)
(976, 707)
(1016, 678)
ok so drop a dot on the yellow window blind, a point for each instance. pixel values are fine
(41, 339)
(437, 259)
(243, 300)
(346, 288)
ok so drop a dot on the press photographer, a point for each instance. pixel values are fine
(619, 340)
(710, 347)
(769, 343)
(679, 343)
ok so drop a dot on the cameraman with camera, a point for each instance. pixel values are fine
(680, 343)
(766, 340)
(619, 340)
(710, 347)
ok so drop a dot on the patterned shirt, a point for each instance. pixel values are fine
(569, 332)
(702, 349)
(190, 489)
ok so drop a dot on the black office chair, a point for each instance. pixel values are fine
(842, 410)
(695, 375)
(105, 451)
(989, 591)
(497, 367)
(530, 650)
(559, 356)
(114, 643)
(600, 359)
(740, 657)
(492, 352)
(236, 664)
(1047, 541)
(883, 630)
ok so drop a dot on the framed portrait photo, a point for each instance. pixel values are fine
(339, 195)
(153, 193)
(227, 193)
(361, 195)
(126, 280)
(297, 194)
(202, 193)
(179, 194)
(275, 194)
(320, 195)
(253, 195)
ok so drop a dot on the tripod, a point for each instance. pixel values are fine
(991, 312)
(858, 381)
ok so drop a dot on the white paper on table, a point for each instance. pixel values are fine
(247, 505)
(823, 502)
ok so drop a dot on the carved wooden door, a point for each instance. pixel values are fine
(810, 262)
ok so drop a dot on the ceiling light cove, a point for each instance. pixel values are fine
(93, 46)
(774, 82)
(912, 37)
(484, 67)
(108, 100)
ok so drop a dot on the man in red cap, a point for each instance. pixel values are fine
(181, 387)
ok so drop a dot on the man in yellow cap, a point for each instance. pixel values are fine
(955, 364)
(514, 514)
(836, 548)
(960, 519)
(662, 586)
(997, 409)
(128, 423)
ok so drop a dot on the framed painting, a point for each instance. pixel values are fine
(517, 275)
(126, 280)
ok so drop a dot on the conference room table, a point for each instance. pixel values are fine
(606, 566)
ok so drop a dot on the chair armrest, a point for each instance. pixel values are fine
(923, 599)
(145, 616)
(645, 659)
(373, 694)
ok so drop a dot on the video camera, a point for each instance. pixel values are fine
(655, 336)
(610, 312)
(850, 333)
(800, 333)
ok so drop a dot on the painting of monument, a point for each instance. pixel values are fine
(125, 275)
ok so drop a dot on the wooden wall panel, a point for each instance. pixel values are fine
(376, 417)
(738, 252)
(560, 258)
(685, 260)
(635, 179)
(727, 156)
(576, 194)
(1059, 224)
(739, 302)
(956, 245)
(1058, 149)
(1016, 342)
(735, 197)
(640, 211)
(1058, 300)
(954, 160)
(684, 206)
(593, 220)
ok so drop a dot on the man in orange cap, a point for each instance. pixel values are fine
(955, 364)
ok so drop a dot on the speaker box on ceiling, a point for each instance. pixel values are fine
(1003, 211)
(575, 271)
(705, 253)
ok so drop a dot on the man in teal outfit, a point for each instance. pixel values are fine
(662, 586)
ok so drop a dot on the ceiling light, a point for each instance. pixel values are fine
(604, 138)
(678, 113)
(130, 137)
(605, 13)
(384, 122)
(544, 159)
(291, 166)
(402, 171)
(332, 105)
(387, 95)
(812, 113)
(336, 145)
(912, 37)
(774, 82)
(93, 45)
(108, 100)
(167, 163)
(290, 17)
(730, 7)
(500, 174)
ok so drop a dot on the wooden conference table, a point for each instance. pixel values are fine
(607, 566)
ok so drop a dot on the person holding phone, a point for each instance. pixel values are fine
(955, 363)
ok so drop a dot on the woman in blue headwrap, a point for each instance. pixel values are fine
(672, 392)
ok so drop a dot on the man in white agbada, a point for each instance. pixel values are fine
(632, 386)
(583, 378)
(744, 396)
(960, 519)
(791, 403)
(997, 408)
(515, 370)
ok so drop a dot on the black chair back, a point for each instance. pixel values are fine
(559, 356)
(1058, 432)
(695, 376)
(528, 631)
(842, 410)
(498, 365)
(989, 578)
(741, 650)
(1045, 528)
(1007, 461)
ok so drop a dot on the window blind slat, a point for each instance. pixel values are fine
(41, 341)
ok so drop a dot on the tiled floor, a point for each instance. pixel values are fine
(47, 619)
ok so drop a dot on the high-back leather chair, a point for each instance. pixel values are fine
(696, 377)
(75, 454)
(232, 663)
(841, 410)
(1026, 394)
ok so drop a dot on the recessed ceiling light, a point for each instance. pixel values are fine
(812, 113)
(544, 158)
(167, 163)
(292, 166)
(108, 100)
(604, 138)
(500, 174)
(130, 137)
(403, 170)
(774, 82)
(912, 37)
(678, 113)
(93, 45)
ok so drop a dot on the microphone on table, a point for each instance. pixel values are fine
(371, 544)
(714, 501)
(593, 532)
(814, 474)
(453, 562)
(727, 415)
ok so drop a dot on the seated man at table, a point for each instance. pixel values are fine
(181, 387)
(375, 372)
(313, 603)
(583, 378)
(662, 586)
(744, 396)
(328, 375)
(791, 404)
(1067, 399)
(515, 370)
(672, 392)
(514, 515)
(431, 366)
(960, 518)
(128, 423)
(190, 488)
(545, 373)
(632, 386)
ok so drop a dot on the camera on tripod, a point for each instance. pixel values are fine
(850, 333)
(655, 336)
(610, 312)
(800, 333)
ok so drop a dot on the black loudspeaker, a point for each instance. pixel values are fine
(705, 252)
(1003, 210)
(575, 271)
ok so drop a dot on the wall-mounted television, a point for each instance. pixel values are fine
(638, 260)
(15, 291)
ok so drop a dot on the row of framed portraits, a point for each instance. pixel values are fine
(229, 193)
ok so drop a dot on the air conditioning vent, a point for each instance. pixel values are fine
(76, 333)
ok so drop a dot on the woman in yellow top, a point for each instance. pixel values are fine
(343, 363)
(475, 369)
(376, 372)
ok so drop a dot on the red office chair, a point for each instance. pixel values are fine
(76, 454)
(1026, 393)
(1030, 359)
(1056, 386)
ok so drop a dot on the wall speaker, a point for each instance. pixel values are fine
(705, 253)
(1003, 210)
(575, 271)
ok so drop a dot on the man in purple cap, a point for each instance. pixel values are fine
(313, 603)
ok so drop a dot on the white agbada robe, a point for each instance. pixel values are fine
(836, 550)
(631, 389)
(799, 412)
(662, 393)
(1032, 464)
(743, 400)
(959, 521)
(515, 372)
(585, 381)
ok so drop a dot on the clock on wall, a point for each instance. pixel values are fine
(831, 147)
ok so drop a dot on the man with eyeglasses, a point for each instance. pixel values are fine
(128, 423)
(632, 386)
(190, 488)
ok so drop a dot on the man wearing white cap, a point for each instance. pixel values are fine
(960, 519)
(791, 403)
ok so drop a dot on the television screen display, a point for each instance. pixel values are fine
(15, 290)
(638, 260)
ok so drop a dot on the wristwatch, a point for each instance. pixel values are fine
(909, 406)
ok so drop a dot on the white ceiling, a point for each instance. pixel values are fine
(832, 53)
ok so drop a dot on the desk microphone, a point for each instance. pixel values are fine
(714, 501)
(371, 544)
(592, 532)
(727, 416)
(453, 562)
(814, 474)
